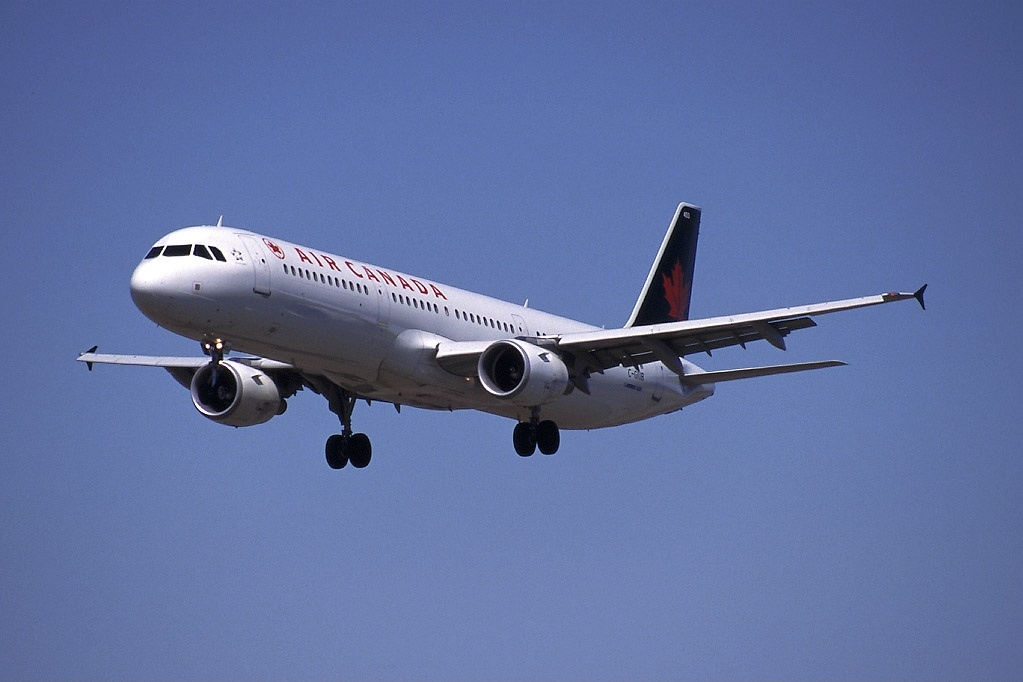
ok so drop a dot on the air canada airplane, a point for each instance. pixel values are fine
(351, 331)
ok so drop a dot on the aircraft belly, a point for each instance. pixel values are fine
(620, 396)
(616, 397)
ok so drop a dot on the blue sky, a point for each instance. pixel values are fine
(856, 523)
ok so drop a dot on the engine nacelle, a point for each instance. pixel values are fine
(235, 394)
(522, 373)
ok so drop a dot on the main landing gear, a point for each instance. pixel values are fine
(345, 447)
(528, 436)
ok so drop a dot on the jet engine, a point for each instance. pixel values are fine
(235, 394)
(522, 373)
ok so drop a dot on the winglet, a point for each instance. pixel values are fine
(89, 352)
(919, 296)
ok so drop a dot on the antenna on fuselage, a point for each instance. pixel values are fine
(220, 221)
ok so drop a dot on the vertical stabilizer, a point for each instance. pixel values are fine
(665, 296)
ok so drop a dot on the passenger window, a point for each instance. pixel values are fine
(154, 252)
(201, 251)
(218, 254)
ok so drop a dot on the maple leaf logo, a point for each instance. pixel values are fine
(676, 292)
(273, 247)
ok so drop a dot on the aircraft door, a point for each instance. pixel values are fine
(260, 266)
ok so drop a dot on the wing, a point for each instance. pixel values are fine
(596, 351)
(91, 357)
(181, 368)
(600, 350)
(460, 357)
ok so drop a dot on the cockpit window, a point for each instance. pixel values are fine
(200, 250)
(178, 250)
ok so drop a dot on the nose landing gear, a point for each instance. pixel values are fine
(216, 349)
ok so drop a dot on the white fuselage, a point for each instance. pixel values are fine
(372, 330)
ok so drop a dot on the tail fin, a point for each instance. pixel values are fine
(665, 296)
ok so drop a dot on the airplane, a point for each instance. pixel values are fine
(349, 331)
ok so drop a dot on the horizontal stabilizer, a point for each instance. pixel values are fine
(751, 372)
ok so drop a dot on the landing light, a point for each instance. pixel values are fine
(216, 344)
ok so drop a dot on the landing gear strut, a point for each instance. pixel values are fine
(346, 446)
(216, 349)
(528, 436)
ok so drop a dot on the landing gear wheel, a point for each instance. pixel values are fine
(347, 446)
(524, 438)
(360, 450)
(335, 449)
(548, 438)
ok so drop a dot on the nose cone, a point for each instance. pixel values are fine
(151, 291)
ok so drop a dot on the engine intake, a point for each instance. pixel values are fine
(235, 394)
(522, 373)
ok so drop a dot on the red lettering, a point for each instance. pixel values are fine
(317, 259)
(369, 273)
(354, 271)
(330, 261)
(438, 293)
(404, 284)
(302, 257)
(422, 287)
(387, 278)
